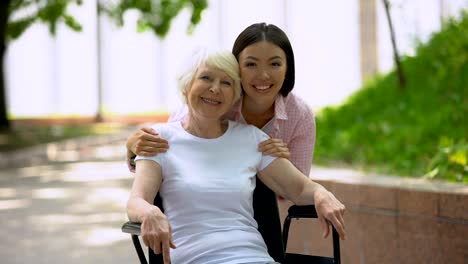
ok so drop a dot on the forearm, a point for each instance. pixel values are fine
(309, 193)
(286, 180)
(138, 209)
(144, 189)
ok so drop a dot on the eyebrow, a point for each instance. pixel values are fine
(256, 59)
(205, 72)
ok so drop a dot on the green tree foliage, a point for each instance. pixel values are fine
(155, 15)
(17, 16)
(23, 13)
(418, 131)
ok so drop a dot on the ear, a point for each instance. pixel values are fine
(185, 95)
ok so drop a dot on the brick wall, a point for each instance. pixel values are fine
(392, 220)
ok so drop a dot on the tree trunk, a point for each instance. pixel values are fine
(4, 122)
(396, 57)
(99, 116)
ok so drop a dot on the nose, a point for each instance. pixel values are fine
(264, 73)
(215, 87)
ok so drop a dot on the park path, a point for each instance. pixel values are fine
(68, 209)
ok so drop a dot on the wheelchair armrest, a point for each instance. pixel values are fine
(132, 228)
(309, 211)
(305, 211)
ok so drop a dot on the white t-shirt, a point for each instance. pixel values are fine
(207, 191)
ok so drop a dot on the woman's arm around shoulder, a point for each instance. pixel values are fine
(145, 142)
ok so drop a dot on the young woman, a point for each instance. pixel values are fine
(206, 179)
(266, 62)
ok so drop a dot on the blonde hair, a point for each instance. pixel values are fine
(220, 59)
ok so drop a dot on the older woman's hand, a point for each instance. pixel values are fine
(157, 234)
(146, 142)
(274, 147)
(329, 210)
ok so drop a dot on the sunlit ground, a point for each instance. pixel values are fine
(65, 212)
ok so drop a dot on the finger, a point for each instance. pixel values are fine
(152, 138)
(142, 144)
(341, 231)
(157, 246)
(173, 246)
(263, 144)
(271, 141)
(271, 145)
(146, 241)
(278, 152)
(165, 252)
(340, 227)
(150, 131)
(154, 147)
(325, 227)
(171, 242)
(341, 219)
(151, 150)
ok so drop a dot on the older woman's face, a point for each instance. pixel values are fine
(211, 94)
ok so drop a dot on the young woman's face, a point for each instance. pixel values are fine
(262, 69)
(211, 93)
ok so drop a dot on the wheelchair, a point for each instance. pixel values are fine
(266, 214)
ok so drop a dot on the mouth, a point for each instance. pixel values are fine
(210, 101)
(262, 88)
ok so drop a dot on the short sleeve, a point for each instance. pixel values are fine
(158, 158)
(261, 136)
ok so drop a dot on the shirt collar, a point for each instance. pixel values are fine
(280, 108)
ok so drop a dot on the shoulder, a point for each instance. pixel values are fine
(296, 107)
(166, 129)
(246, 130)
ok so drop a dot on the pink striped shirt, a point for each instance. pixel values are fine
(294, 123)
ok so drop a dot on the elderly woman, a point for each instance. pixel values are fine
(207, 176)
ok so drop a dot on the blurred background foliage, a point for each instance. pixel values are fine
(418, 131)
(154, 15)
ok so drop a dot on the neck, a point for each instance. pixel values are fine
(205, 128)
(257, 108)
(257, 114)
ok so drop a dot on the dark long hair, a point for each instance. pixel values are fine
(271, 33)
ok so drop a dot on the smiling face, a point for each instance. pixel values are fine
(211, 93)
(263, 70)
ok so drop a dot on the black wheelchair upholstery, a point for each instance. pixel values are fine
(267, 216)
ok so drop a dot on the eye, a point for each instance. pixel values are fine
(205, 77)
(228, 83)
(276, 64)
(250, 64)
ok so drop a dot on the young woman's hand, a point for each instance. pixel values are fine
(146, 142)
(156, 233)
(274, 147)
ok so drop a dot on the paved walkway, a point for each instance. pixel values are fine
(67, 205)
